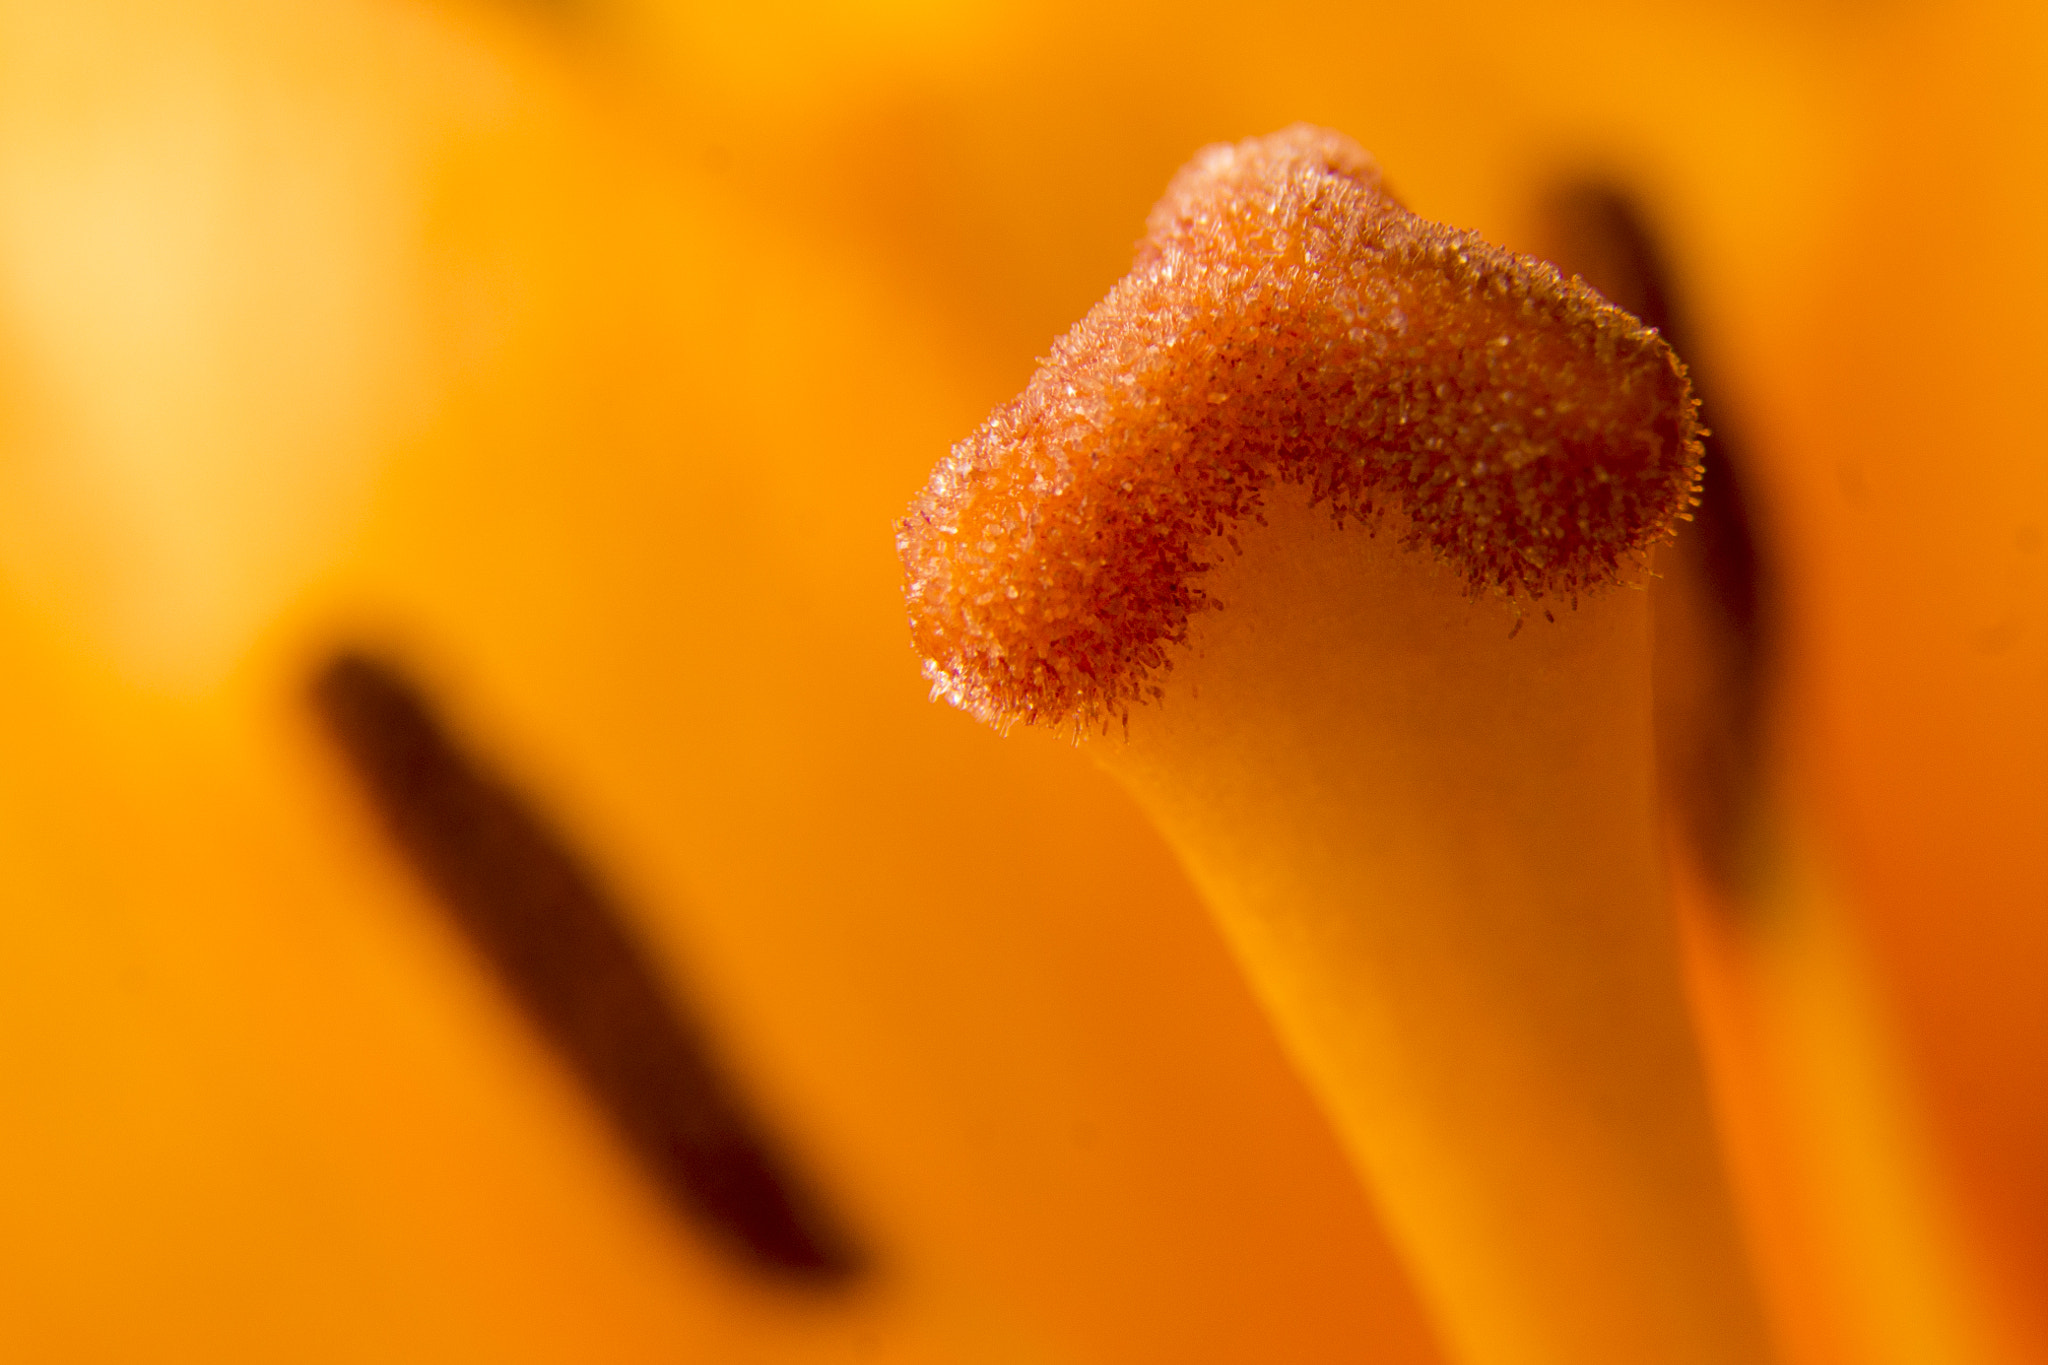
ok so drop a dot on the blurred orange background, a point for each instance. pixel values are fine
(580, 355)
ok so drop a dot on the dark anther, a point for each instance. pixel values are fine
(1715, 603)
(560, 946)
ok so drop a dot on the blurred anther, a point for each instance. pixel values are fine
(1715, 598)
(560, 945)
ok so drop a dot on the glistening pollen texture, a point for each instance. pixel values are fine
(1286, 320)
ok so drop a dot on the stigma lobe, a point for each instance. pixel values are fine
(1286, 321)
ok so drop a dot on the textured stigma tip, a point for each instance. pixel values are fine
(1286, 321)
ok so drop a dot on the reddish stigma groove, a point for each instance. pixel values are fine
(1286, 321)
